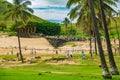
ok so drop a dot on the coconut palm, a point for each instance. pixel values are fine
(18, 11)
(66, 22)
(80, 11)
(114, 69)
(106, 73)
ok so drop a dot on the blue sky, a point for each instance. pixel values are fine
(52, 10)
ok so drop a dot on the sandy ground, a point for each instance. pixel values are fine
(9, 45)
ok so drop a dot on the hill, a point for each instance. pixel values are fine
(79, 29)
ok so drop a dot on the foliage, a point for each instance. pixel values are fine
(47, 28)
(18, 10)
(2, 26)
(72, 32)
(13, 27)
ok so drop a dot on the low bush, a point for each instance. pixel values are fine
(47, 28)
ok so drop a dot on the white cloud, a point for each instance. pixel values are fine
(48, 13)
(44, 3)
(51, 14)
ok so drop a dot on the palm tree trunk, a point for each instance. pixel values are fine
(66, 28)
(114, 69)
(71, 25)
(106, 73)
(90, 45)
(95, 44)
(110, 30)
(21, 57)
(117, 35)
(18, 33)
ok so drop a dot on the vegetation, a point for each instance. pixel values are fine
(93, 17)
(51, 69)
(98, 12)
(47, 28)
(18, 10)
(80, 33)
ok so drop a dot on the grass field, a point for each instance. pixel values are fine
(54, 67)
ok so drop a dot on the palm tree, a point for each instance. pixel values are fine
(18, 11)
(114, 69)
(106, 73)
(80, 12)
(66, 22)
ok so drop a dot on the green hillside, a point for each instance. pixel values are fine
(111, 27)
(10, 22)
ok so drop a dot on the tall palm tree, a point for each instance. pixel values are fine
(106, 73)
(80, 12)
(18, 11)
(114, 69)
(66, 22)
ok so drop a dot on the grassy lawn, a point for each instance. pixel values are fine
(50, 69)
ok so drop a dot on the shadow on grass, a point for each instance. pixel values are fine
(55, 59)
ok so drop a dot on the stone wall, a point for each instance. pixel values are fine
(56, 42)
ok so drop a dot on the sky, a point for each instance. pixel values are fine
(51, 10)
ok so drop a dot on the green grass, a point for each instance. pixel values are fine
(85, 69)
(8, 57)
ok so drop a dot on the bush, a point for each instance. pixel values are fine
(47, 28)
(2, 26)
(72, 32)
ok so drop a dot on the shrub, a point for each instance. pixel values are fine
(72, 32)
(47, 28)
(2, 26)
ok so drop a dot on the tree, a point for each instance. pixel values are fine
(106, 73)
(114, 69)
(66, 22)
(82, 14)
(18, 11)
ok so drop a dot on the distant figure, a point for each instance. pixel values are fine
(31, 52)
(17, 54)
(12, 51)
(83, 55)
(56, 51)
(35, 52)
(73, 50)
(69, 55)
(114, 41)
